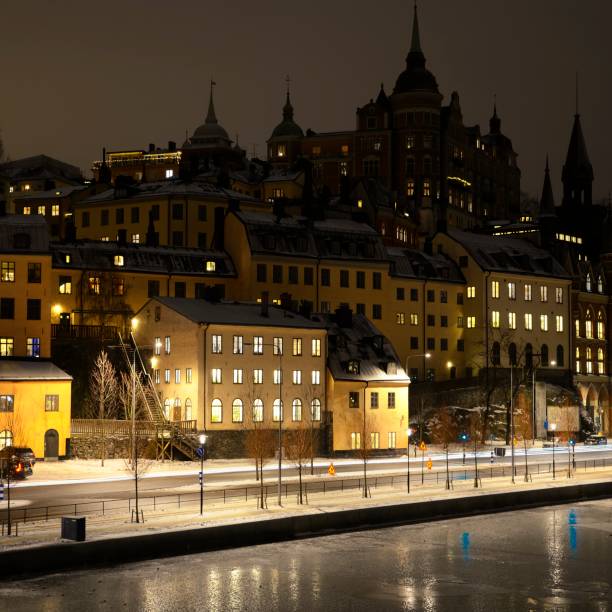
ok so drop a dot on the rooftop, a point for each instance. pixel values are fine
(410, 263)
(23, 233)
(235, 313)
(24, 370)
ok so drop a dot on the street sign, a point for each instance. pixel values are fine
(200, 477)
(546, 424)
(200, 451)
(429, 464)
(422, 446)
(331, 470)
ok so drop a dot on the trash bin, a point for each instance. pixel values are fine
(500, 451)
(73, 528)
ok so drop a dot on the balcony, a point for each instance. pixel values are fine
(61, 331)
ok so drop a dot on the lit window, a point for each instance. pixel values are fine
(315, 409)
(577, 326)
(494, 318)
(297, 347)
(217, 344)
(177, 376)
(355, 440)
(470, 322)
(559, 323)
(238, 376)
(277, 376)
(410, 142)
(391, 439)
(600, 327)
(316, 377)
(211, 266)
(277, 345)
(528, 321)
(257, 345)
(258, 376)
(277, 410)
(51, 403)
(215, 376)
(42, 210)
(410, 188)
(296, 409)
(391, 399)
(33, 347)
(167, 345)
(511, 291)
(588, 283)
(238, 345)
(93, 284)
(316, 151)
(156, 376)
(374, 439)
(399, 318)
(55, 210)
(297, 377)
(528, 293)
(27, 210)
(426, 188)
(258, 410)
(135, 238)
(316, 347)
(169, 173)
(188, 376)
(104, 239)
(494, 289)
(559, 295)
(26, 187)
(471, 292)
(544, 322)
(512, 320)
(577, 360)
(157, 346)
(65, 285)
(216, 411)
(543, 293)
(167, 375)
(7, 274)
(588, 326)
(237, 409)
(599, 284)
(118, 260)
(414, 318)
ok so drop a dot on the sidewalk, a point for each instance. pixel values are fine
(168, 517)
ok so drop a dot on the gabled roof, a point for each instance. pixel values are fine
(511, 255)
(234, 313)
(25, 370)
(40, 166)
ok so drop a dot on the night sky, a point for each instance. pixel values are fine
(77, 76)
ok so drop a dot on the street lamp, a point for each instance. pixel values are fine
(408, 434)
(464, 438)
(408, 358)
(202, 440)
(533, 384)
(553, 427)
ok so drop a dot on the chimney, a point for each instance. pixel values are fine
(122, 237)
(264, 304)
(171, 146)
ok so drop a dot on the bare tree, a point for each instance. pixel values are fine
(138, 464)
(103, 395)
(475, 427)
(299, 449)
(311, 394)
(523, 427)
(367, 432)
(444, 433)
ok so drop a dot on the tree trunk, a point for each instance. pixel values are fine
(300, 481)
(447, 470)
(365, 476)
(256, 468)
(475, 465)
(261, 484)
(526, 467)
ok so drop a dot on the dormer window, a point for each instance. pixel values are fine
(211, 266)
(67, 258)
(599, 284)
(118, 260)
(352, 367)
(589, 283)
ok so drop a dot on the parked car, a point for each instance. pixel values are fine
(25, 453)
(596, 439)
(13, 466)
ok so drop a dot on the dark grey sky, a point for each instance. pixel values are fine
(79, 75)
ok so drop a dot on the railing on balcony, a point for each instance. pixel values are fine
(124, 427)
(84, 332)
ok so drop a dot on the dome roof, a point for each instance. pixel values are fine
(210, 133)
(416, 77)
(287, 128)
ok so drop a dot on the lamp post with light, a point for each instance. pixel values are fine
(202, 440)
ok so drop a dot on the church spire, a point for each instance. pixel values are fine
(495, 121)
(577, 175)
(547, 202)
(288, 108)
(211, 117)
(415, 45)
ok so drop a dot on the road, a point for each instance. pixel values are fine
(36, 494)
(554, 558)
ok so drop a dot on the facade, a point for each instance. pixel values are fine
(34, 393)
(229, 365)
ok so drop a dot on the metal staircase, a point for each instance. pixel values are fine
(170, 438)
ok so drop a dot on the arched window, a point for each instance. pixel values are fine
(599, 284)
(589, 283)
(258, 411)
(237, 411)
(544, 355)
(528, 356)
(601, 369)
(297, 409)
(588, 326)
(601, 329)
(216, 411)
(277, 410)
(167, 407)
(512, 353)
(188, 412)
(560, 356)
(315, 409)
(6, 438)
(495, 354)
(589, 360)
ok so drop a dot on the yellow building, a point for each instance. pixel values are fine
(228, 365)
(367, 387)
(35, 398)
(102, 284)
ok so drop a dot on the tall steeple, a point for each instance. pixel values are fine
(547, 202)
(415, 45)
(288, 108)
(577, 175)
(495, 121)
(211, 117)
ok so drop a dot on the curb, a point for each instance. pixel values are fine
(111, 551)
